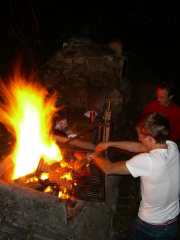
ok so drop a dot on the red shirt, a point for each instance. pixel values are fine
(172, 113)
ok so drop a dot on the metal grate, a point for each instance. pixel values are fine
(90, 188)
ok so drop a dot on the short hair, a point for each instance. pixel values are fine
(169, 86)
(154, 124)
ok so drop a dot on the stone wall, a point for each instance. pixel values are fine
(30, 214)
(81, 64)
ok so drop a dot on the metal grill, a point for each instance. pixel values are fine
(90, 188)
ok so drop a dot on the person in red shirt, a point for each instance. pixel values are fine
(165, 105)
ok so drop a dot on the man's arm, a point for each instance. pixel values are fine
(135, 147)
(108, 167)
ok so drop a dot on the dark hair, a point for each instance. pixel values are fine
(154, 124)
(169, 86)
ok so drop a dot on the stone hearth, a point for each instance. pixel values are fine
(30, 214)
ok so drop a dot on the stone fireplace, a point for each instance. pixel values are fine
(82, 64)
(30, 214)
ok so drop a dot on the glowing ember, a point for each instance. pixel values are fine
(27, 111)
(44, 176)
(63, 195)
(48, 189)
(64, 164)
(33, 179)
(67, 176)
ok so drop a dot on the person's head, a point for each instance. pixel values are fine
(165, 93)
(154, 125)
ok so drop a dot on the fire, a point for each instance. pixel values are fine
(44, 176)
(27, 111)
(48, 189)
(33, 179)
(67, 176)
(63, 195)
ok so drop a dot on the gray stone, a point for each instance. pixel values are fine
(82, 63)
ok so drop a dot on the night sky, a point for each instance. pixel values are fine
(38, 28)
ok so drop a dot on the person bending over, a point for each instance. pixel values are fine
(158, 166)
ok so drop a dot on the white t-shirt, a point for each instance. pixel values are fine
(160, 183)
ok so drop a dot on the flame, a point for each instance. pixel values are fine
(32, 180)
(44, 176)
(67, 176)
(48, 189)
(27, 111)
(63, 195)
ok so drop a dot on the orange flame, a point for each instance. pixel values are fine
(44, 176)
(48, 189)
(27, 111)
(67, 176)
(63, 195)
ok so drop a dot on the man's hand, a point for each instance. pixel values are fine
(101, 147)
(107, 166)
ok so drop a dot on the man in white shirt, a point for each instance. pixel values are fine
(158, 166)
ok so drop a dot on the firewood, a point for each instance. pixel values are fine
(55, 177)
(22, 180)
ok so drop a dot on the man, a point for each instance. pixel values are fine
(158, 166)
(165, 105)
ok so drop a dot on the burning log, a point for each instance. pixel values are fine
(55, 177)
(22, 180)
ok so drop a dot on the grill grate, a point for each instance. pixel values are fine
(90, 188)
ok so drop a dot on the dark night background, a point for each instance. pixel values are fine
(149, 31)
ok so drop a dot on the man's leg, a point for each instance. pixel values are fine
(141, 230)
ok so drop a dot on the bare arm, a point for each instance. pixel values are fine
(108, 167)
(129, 146)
